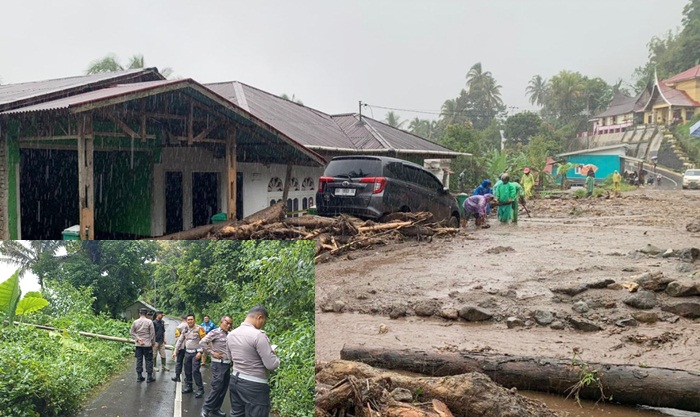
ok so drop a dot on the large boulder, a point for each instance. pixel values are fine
(643, 300)
(689, 254)
(645, 317)
(652, 281)
(473, 313)
(689, 310)
(426, 308)
(584, 325)
(683, 288)
(543, 317)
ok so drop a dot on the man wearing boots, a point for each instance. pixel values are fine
(181, 352)
(190, 339)
(159, 345)
(143, 332)
(214, 343)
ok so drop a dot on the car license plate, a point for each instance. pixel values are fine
(345, 191)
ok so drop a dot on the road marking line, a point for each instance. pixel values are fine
(178, 400)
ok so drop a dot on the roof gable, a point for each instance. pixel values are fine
(688, 74)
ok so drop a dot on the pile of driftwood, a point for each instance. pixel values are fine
(353, 389)
(333, 235)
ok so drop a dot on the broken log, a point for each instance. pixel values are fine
(383, 226)
(627, 384)
(471, 394)
(310, 222)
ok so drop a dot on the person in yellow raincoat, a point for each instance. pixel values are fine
(617, 181)
(528, 182)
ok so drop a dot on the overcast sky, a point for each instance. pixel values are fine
(404, 54)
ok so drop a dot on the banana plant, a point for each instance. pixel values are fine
(10, 303)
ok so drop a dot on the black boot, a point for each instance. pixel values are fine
(140, 378)
(187, 389)
(150, 378)
(199, 393)
(176, 378)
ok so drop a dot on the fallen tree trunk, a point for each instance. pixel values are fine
(470, 394)
(627, 384)
(310, 222)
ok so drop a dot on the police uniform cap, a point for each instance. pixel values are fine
(143, 311)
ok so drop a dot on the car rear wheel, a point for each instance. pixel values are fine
(453, 222)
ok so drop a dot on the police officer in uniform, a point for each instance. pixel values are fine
(214, 343)
(253, 359)
(143, 332)
(180, 353)
(190, 339)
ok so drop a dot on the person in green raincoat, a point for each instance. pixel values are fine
(505, 193)
(590, 183)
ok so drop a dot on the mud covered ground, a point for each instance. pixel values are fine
(408, 295)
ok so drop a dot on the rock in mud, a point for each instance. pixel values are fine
(601, 284)
(402, 395)
(472, 313)
(397, 311)
(643, 300)
(684, 267)
(684, 288)
(557, 325)
(583, 325)
(570, 290)
(543, 317)
(645, 317)
(499, 249)
(650, 249)
(383, 328)
(626, 323)
(426, 308)
(689, 254)
(513, 322)
(688, 310)
(669, 253)
(449, 313)
(652, 281)
(339, 306)
(580, 307)
(693, 227)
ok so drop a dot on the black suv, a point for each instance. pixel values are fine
(373, 186)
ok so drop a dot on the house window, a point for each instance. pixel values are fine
(688, 115)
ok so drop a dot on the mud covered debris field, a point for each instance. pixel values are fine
(557, 281)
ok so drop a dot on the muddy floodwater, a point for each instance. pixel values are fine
(518, 271)
(569, 408)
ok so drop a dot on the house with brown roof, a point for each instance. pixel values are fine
(663, 102)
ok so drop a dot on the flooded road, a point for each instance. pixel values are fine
(569, 408)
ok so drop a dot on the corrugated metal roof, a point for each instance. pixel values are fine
(310, 127)
(15, 95)
(594, 150)
(675, 97)
(93, 96)
(688, 74)
(318, 130)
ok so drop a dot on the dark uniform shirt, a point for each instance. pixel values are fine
(159, 326)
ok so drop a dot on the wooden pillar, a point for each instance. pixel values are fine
(231, 176)
(287, 181)
(86, 182)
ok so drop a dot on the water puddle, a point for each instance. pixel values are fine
(569, 408)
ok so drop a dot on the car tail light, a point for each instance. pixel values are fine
(322, 183)
(379, 183)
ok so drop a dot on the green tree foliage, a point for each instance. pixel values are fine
(293, 98)
(50, 374)
(423, 127)
(110, 63)
(394, 120)
(520, 127)
(117, 271)
(37, 256)
(483, 97)
(537, 90)
(9, 297)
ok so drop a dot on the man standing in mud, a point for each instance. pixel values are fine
(214, 343)
(253, 359)
(159, 345)
(144, 334)
(190, 339)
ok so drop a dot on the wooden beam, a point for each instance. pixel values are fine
(86, 184)
(74, 137)
(287, 181)
(190, 125)
(129, 131)
(231, 176)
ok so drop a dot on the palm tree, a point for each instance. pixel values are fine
(110, 63)
(492, 93)
(392, 119)
(30, 256)
(565, 90)
(476, 77)
(537, 90)
(448, 112)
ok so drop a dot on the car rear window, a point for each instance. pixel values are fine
(692, 172)
(354, 168)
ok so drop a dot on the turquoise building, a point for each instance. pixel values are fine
(605, 160)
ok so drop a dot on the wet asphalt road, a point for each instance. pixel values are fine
(124, 397)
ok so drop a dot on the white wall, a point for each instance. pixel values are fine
(256, 178)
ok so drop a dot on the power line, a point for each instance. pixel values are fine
(440, 113)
